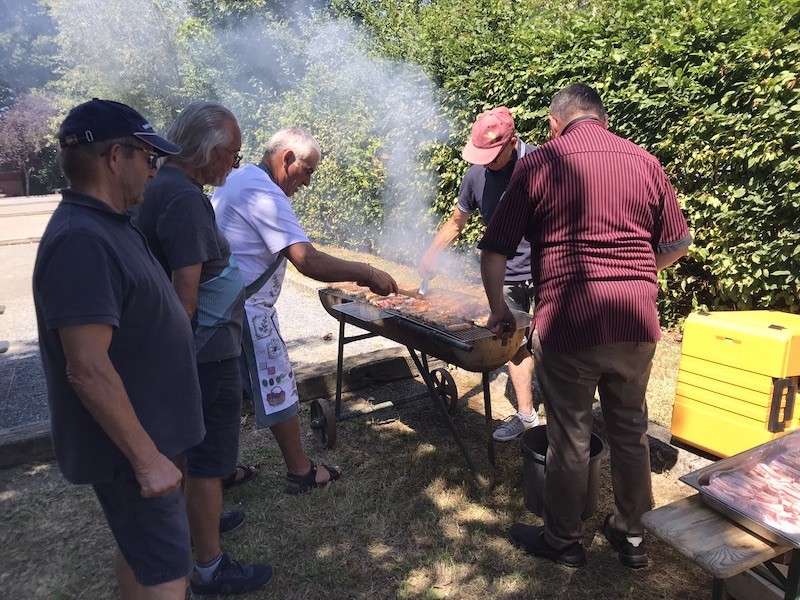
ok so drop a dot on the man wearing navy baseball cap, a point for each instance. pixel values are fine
(117, 348)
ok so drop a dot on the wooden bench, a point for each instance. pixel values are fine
(718, 545)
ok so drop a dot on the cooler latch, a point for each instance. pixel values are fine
(782, 388)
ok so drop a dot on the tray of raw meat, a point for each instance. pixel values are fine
(758, 488)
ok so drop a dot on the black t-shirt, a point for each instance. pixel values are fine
(481, 189)
(93, 267)
(179, 223)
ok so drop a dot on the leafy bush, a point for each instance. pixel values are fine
(708, 86)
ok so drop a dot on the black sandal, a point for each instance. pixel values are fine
(231, 481)
(299, 484)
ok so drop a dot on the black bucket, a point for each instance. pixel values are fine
(534, 451)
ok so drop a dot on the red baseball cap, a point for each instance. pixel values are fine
(490, 133)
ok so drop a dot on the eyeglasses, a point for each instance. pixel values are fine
(152, 155)
(237, 158)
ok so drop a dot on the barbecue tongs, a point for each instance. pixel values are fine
(423, 287)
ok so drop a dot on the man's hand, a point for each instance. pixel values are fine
(382, 283)
(429, 265)
(502, 324)
(159, 477)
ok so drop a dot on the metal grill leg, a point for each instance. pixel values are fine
(339, 366)
(426, 376)
(717, 588)
(487, 405)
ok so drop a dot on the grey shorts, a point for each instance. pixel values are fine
(152, 533)
(221, 387)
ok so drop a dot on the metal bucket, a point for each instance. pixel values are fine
(534, 451)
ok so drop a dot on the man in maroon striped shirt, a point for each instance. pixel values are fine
(602, 219)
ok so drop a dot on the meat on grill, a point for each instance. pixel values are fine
(452, 312)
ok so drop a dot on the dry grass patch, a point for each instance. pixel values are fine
(407, 520)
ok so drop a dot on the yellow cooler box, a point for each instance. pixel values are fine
(737, 380)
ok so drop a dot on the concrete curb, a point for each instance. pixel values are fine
(32, 443)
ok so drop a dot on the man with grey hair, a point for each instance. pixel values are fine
(255, 214)
(602, 218)
(178, 222)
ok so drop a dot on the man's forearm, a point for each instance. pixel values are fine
(493, 272)
(104, 396)
(92, 375)
(186, 282)
(447, 234)
(324, 267)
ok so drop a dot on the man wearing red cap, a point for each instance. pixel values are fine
(493, 150)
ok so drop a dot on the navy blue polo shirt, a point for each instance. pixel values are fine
(94, 267)
(481, 189)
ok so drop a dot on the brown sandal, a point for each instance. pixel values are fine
(299, 484)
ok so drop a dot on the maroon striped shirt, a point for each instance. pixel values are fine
(596, 209)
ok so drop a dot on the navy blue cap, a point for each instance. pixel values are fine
(99, 120)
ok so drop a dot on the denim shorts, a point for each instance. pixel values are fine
(152, 533)
(221, 387)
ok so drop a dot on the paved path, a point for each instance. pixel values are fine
(304, 322)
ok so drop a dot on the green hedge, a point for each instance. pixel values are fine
(710, 87)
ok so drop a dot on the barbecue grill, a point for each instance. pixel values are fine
(472, 348)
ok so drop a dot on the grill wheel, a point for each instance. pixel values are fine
(323, 422)
(446, 389)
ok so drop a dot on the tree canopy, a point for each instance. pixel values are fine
(391, 87)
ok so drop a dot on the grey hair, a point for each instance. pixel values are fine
(297, 139)
(575, 99)
(198, 130)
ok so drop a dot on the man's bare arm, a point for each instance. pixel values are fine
(97, 383)
(493, 272)
(186, 282)
(669, 258)
(451, 229)
(324, 267)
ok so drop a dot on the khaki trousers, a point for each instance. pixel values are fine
(568, 380)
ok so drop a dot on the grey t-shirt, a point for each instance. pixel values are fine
(481, 189)
(178, 221)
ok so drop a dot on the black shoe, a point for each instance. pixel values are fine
(228, 521)
(232, 578)
(531, 539)
(631, 556)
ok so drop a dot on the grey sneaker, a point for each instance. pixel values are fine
(513, 427)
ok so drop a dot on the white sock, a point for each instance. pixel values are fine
(206, 570)
(528, 418)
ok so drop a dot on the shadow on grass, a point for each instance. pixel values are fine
(407, 520)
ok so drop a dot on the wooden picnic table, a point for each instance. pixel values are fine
(718, 545)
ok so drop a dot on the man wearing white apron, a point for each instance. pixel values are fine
(254, 212)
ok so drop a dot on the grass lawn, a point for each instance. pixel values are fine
(406, 521)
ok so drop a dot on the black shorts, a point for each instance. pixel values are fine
(152, 533)
(519, 295)
(221, 386)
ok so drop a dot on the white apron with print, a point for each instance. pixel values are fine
(271, 376)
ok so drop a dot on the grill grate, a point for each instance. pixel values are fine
(473, 334)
